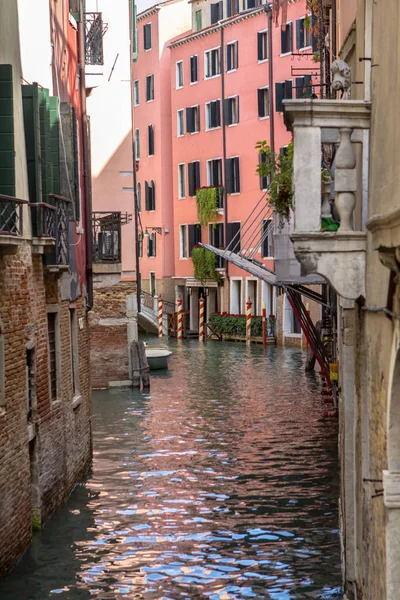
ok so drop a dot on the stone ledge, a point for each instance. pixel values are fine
(40, 245)
(76, 401)
(327, 113)
(391, 489)
(385, 229)
(106, 268)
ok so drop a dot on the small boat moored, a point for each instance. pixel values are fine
(157, 358)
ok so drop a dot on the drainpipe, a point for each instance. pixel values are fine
(222, 68)
(334, 30)
(268, 10)
(86, 166)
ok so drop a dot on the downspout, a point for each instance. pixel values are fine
(222, 68)
(86, 167)
(268, 10)
(334, 31)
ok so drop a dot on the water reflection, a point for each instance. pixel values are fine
(221, 483)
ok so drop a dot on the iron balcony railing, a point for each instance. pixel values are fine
(63, 215)
(11, 215)
(106, 230)
(94, 31)
(43, 220)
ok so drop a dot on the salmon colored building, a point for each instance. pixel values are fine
(226, 95)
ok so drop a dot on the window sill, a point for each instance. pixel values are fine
(76, 401)
(150, 155)
(136, 105)
(286, 54)
(213, 128)
(232, 124)
(305, 48)
(293, 335)
(183, 258)
(180, 135)
(193, 82)
(212, 77)
(194, 132)
(231, 70)
(181, 197)
(179, 88)
(264, 118)
(234, 193)
(263, 60)
(147, 49)
(151, 257)
(148, 101)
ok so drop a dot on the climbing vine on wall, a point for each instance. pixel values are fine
(204, 264)
(207, 204)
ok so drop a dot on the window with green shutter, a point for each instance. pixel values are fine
(30, 102)
(7, 151)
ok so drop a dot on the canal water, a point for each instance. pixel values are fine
(221, 483)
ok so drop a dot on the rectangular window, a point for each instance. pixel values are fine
(232, 110)
(183, 241)
(263, 102)
(199, 23)
(194, 76)
(193, 119)
(150, 139)
(181, 181)
(232, 7)
(303, 34)
(194, 177)
(212, 63)
(149, 88)
(262, 45)
(264, 181)
(233, 175)
(150, 195)
(217, 12)
(304, 86)
(233, 236)
(286, 39)
(266, 239)
(140, 244)
(213, 114)
(147, 36)
(232, 56)
(216, 238)
(151, 244)
(214, 172)
(152, 284)
(30, 381)
(74, 351)
(136, 96)
(180, 125)
(179, 74)
(283, 91)
(194, 233)
(53, 362)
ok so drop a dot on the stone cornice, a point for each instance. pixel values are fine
(355, 114)
(385, 229)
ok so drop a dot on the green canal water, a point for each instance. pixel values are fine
(221, 483)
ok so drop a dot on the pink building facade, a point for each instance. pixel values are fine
(204, 152)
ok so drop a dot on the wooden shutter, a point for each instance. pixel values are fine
(214, 16)
(231, 230)
(30, 102)
(251, 3)
(154, 239)
(220, 10)
(226, 112)
(229, 57)
(197, 174)
(190, 124)
(191, 177)
(197, 229)
(279, 90)
(237, 109)
(229, 175)
(55, 143)
(76, 183)
(228, 8)
(193, 69)
(289, 31)
(260, 96)
(283, 41)
(217, 104)
(153, 196)
(7, 150)
(260, 46)
(236, 173)
(192, 237)
(307, 86)
(146, 196)
(134, 32)
(236, 6)
(288, 89)
(299, 30)
(265, 249)
(299, 87)
(151, 140)
(314, 40)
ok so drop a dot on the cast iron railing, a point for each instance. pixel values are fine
(11, 210)
(43, 219)
(106, 229)
(63, 215)
(94, 31)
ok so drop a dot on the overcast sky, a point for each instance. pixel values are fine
(143, 4)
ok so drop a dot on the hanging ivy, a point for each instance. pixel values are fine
(204, 264)
(278, 168)
(207, 204)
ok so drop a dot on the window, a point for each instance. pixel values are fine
(150, 195)
(74, 351)
(217, 12)
(136, 96)
(149, 88)
(232, 175)
(233, 236)
(183, 241)
(286, 39)
(263, 102)
(194, 177)
(194, 76)
(266, 238)
(152, 284)
(264, 181)
(181, 181)
(150, 140)
(214, 172)
(137, 144)
(283, 91)
(232, 7)
(30, 381)
(194, 233)
(52, 326)
(139, 197)
(198, 17)
(193, 119)
(232, 110)
(180, 125)
(147, 36)
(140, 245)
(303, 34)
(212, 66)
(216, 238)
(213, 114)
(252, 3)
(262, 45)
(151, 244)
(232, 57)
(179, 74)
(304, 86)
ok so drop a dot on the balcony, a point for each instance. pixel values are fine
(11, 220)
(106, 228)
(339, 256)
(54, 221)
(95, 28)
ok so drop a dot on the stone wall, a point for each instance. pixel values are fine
(43, 455)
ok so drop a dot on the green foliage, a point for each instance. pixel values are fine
(204, 264)
(207, 204)
(235, 325)
(279, 169)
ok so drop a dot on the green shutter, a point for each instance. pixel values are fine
(55, 143)
(134, 33)
(7, 150)
(45, 143)
(30, 102)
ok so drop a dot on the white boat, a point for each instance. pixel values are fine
(157, 358)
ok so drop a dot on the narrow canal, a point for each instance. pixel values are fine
(222, 483)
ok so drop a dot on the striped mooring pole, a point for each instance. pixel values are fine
(248, 321)
(264, 324)
(201, 319)
(180, 324)
(160, 324)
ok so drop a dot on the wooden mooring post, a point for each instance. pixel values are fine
(140, 366)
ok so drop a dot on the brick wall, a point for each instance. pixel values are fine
(60, 451)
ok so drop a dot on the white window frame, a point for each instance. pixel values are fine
(263, 60)
(181, 181)
(137, 144)
(183, 228)
(291, 52)
(139, 196)
(271, 233)
(151, 37)
(148, 141)
(151, 99)
(55, 309)
(288, 315)
(240, 279)
(308, 46)
(178, 133)
(179, 75)
(236, 45)
(208, 163)
(207, 104)
(153, 292)
(265, 87)
(217, 48)
(235, 97)
(238, 157)
(190, 74)
(136, 93)
(254, 310)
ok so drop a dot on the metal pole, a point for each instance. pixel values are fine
(271, 82)
(160, 316)
(201, 319)
(264, 324)
(248, 322)
(180, 332)
(222, 68)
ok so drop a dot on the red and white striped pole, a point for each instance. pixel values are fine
(264, 324)
(248, 321)
(201, 319)
(160, 324)
(180, 323)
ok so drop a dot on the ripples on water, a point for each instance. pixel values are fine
(220, 484)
